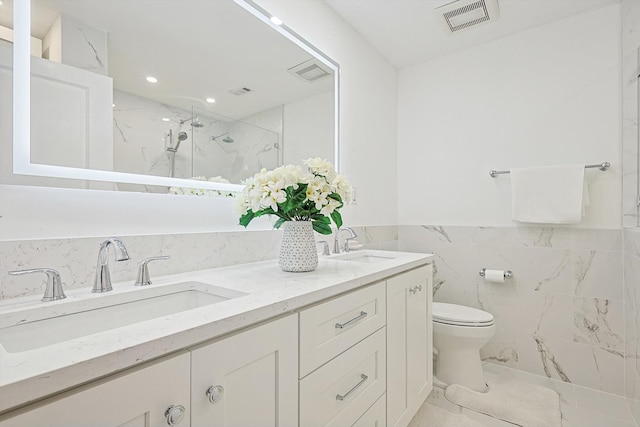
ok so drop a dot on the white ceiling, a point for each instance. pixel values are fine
(406, 32)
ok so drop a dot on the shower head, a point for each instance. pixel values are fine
(195, 122)
(181, 137)
(215, 138)
(228, 140)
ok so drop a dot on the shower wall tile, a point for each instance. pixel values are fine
(564, 305)
(632, 319)
(630, 70)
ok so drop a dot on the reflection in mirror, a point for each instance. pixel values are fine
(638, 141)
(156, 91)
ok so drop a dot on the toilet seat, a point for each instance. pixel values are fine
(459, 315)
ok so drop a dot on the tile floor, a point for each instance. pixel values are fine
(580, 406)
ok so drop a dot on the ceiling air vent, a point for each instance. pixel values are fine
(464, 14)
(311, 71)
(240, 91)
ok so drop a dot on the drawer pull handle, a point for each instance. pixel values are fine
(362, 315)
(363, 378)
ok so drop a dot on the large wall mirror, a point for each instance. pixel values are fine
(151, 94)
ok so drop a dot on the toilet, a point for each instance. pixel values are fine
(458, 334)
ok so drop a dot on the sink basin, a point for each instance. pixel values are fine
(365, 257)
(28, 329)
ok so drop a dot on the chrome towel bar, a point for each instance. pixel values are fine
(602, 166)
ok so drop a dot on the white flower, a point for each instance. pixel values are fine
(343, 188)
(330, 207)
(318, 166)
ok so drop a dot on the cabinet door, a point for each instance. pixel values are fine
(252, 378)
(409, 344)
(140, 398)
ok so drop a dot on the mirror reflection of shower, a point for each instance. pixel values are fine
(195, 122)
(173, 149)
(227, 139)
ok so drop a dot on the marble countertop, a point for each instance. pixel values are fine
(29, 375)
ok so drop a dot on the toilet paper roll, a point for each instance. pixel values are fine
(495, 276)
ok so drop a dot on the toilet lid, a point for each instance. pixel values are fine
(453, 314)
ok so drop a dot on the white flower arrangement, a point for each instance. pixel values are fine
(293, 195)
(186, 191)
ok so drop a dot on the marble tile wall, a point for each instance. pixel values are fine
(75, 259)
(562, 314)
(630, 101)
(632, 319)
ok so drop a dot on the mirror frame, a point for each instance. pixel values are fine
(22, 110)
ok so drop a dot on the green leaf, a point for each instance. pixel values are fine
(246, 218)
(295, 198)
(265, 211)
(279, 222)
(335, 196)
(337, 218)
(321, 218)
(321, 227)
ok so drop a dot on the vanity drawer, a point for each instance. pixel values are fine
(376, 416)
(328, 329)
(340, 392)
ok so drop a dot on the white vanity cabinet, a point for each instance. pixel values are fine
(361, 359)
(249, 379)
(409, 344)
(141, 397)
(343, 358)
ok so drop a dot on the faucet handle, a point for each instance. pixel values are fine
(53, 290)
(325, 247)
(143, 278)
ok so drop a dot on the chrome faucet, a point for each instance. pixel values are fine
(336, 242)
(102, 281)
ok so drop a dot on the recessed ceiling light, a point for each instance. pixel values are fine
(165, 119)
(276, 20)
(152, 79)
(211, 100)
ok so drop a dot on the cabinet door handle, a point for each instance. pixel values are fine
(214, 393)
(363, 378)
(174, 414)
(361, 316)
(416, 289)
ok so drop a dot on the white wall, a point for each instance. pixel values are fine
(368, 155)
(545, 96)
(368, 131)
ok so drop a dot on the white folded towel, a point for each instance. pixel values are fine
(552, 195)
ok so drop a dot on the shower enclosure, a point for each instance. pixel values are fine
(225, 149)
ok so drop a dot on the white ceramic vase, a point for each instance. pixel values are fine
(298, 251)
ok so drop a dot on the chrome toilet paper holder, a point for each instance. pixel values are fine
(507, 274)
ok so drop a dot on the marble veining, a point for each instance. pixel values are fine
(583, 264)
(595, 324)
(546, 356)
(550, 318)
(555, 274)
(439, 230)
